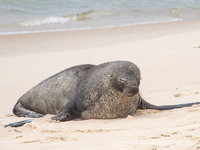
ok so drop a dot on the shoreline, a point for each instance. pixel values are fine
(87, 28)
(85, 39)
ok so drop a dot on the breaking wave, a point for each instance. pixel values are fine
(47, 20)
(55, 19)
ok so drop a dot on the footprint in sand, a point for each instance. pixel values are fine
(178, 95)
(164, 135)
(31, 141)
(182, 95)
(51, 131)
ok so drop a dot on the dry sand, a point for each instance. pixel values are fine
(170, 67)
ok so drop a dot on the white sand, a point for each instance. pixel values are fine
(170, 67)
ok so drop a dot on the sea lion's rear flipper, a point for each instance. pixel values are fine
(145, 105)
(68, 112)
(19, 123)
(20, 111)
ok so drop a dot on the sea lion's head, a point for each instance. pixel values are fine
(125, 79)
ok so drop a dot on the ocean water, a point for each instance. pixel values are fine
(26, 16)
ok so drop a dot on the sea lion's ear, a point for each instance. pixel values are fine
(110, 75)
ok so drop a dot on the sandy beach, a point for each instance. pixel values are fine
(168, 55)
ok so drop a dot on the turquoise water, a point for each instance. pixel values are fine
(25, 16)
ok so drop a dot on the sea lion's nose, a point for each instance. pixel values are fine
(135, 89)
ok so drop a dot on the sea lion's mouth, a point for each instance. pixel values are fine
(134, 90)
(131, 95)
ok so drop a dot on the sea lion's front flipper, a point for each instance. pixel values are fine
(145, 105)
(168, 107)
(68, 112)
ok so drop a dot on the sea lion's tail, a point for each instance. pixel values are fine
(19, 123)
(145, 105)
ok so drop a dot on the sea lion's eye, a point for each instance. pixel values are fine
(122, 80)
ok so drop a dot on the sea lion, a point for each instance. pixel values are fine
(106, 91)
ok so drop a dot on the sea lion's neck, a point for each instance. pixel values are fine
(110, 105)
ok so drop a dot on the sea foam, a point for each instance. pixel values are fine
(47, 20)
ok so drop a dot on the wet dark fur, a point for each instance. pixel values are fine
(49, 96)
(105, 91)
